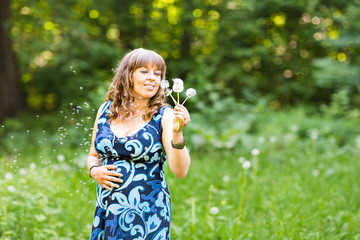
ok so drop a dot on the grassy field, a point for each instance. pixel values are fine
(292, 175)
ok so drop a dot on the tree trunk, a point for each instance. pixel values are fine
(11, 96)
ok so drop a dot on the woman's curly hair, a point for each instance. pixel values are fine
(119, 91)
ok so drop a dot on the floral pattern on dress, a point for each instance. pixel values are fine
(140, 207)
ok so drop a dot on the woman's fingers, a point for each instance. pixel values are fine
(109, 185)
(114, 179)
(112, 173)
(108, 178)
(182, 113)
(110, 167)
(115, 174)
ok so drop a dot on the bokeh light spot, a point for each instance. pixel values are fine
(94, 14)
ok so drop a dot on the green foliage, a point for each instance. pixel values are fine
(227, 122)
(243, 58)
(287, 51)
(302, 182)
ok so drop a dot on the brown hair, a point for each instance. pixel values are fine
(119, 91)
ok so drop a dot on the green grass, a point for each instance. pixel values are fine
(303, 185)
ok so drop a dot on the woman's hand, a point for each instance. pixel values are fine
(105, 177)
(181, 119)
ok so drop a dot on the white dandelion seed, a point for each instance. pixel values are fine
(11, 188)
(226, 178)
(178, 88)
(314, 134)
(255, 152)
(60, 158)
(165, 84)
(32, 165)
(22, 171)
(241, 159)
(178, 85)
(246, 165)
(261, 139)
(189, 94)
(9, 176)
(178, 81)
(214, 210)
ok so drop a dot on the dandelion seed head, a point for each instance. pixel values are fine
(246, 165)
(226, 178)
(60, 158)
(191, 92)
(178, 85)
(315, 173)
(32, 165)
(178, 88)
(261, 139)
(165, 84)
(9, 176)
(214, 210)
(314, 134)
(11, 188)
(178, 81)
(241, 159)
(255, 152)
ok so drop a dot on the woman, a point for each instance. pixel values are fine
(134, 133)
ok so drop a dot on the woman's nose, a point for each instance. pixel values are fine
(151, 75)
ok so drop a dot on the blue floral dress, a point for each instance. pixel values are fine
(140, 207)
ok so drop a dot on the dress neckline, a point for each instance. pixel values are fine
(131, 134)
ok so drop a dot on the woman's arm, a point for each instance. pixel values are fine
(179, 159)
(102, 174)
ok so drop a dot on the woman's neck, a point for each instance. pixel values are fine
(140, 104)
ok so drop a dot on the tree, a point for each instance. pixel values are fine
(11, 97)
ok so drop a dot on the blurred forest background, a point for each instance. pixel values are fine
(272, 78)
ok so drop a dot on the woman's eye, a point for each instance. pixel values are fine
(144, 71)
(157, 74)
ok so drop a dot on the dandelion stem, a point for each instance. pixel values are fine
(178, 101)
(178, 125)
(185, 100)
(167, 90)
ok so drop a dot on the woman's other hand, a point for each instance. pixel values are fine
(106, 177)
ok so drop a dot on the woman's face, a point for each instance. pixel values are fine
(146, 82)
